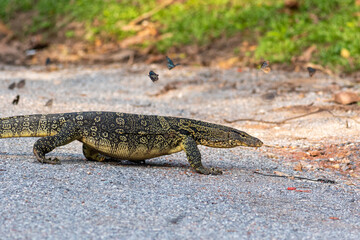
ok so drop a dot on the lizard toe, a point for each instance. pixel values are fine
(215, 171)
(54, 161)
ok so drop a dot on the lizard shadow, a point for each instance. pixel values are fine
(63, 156)
(76, 158)
(158, 163)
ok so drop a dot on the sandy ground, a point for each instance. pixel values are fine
(166, 199)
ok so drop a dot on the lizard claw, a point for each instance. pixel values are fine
(208, 171)
(215, 171)
(54, 161)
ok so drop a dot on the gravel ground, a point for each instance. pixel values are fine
(165, 199)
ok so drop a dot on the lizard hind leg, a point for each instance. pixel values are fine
(92, 155)
(69, 132)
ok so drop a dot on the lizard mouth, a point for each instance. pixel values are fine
(256, 143)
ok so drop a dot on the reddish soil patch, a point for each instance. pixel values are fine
(342, 158)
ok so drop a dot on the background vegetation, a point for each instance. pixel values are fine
(281, 30)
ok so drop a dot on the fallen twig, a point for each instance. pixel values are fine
(147, 15)
(272, 146)
(141, 105)
(289, 119)
(275, 122)
(296, 177)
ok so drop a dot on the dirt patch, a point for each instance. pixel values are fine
(340, 158)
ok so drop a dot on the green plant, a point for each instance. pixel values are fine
(280, 33)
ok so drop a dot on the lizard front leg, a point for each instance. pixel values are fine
(68, 133)
(194, 157)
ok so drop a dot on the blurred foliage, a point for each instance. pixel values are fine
(280, 33)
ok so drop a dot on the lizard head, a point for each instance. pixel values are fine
(228, 138)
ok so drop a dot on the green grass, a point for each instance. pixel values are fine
(280, 34)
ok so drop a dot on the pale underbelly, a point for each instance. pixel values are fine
(134, 153)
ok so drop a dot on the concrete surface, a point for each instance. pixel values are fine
(165, 199)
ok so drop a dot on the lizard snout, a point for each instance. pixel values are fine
(257, 143)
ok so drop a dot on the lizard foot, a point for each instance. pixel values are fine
(208, 171)
(98, 159)
(54, 161)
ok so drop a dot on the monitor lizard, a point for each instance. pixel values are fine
(124, 136)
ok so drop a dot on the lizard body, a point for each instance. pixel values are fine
(125, 136)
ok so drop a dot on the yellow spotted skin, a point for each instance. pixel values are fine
(125, 136)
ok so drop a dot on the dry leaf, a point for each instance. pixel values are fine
(21, 84)
(345, 53)
(271, 155)
(336, 166)
(302, 190)
(354, 175)
(346, 97)
(143, 35)
(349, 183)
(228, 63)
(298, 167)
(292, 4)
(314, 18)
(154, 58)
(98, 42)
(280, 173)
(307, 54)
(4, 29)
(12, 86)
(252, 48)
(49, 103)
(315, 153)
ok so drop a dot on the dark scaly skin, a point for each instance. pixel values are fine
(124, 136)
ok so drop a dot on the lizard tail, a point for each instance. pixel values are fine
(29, 126)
